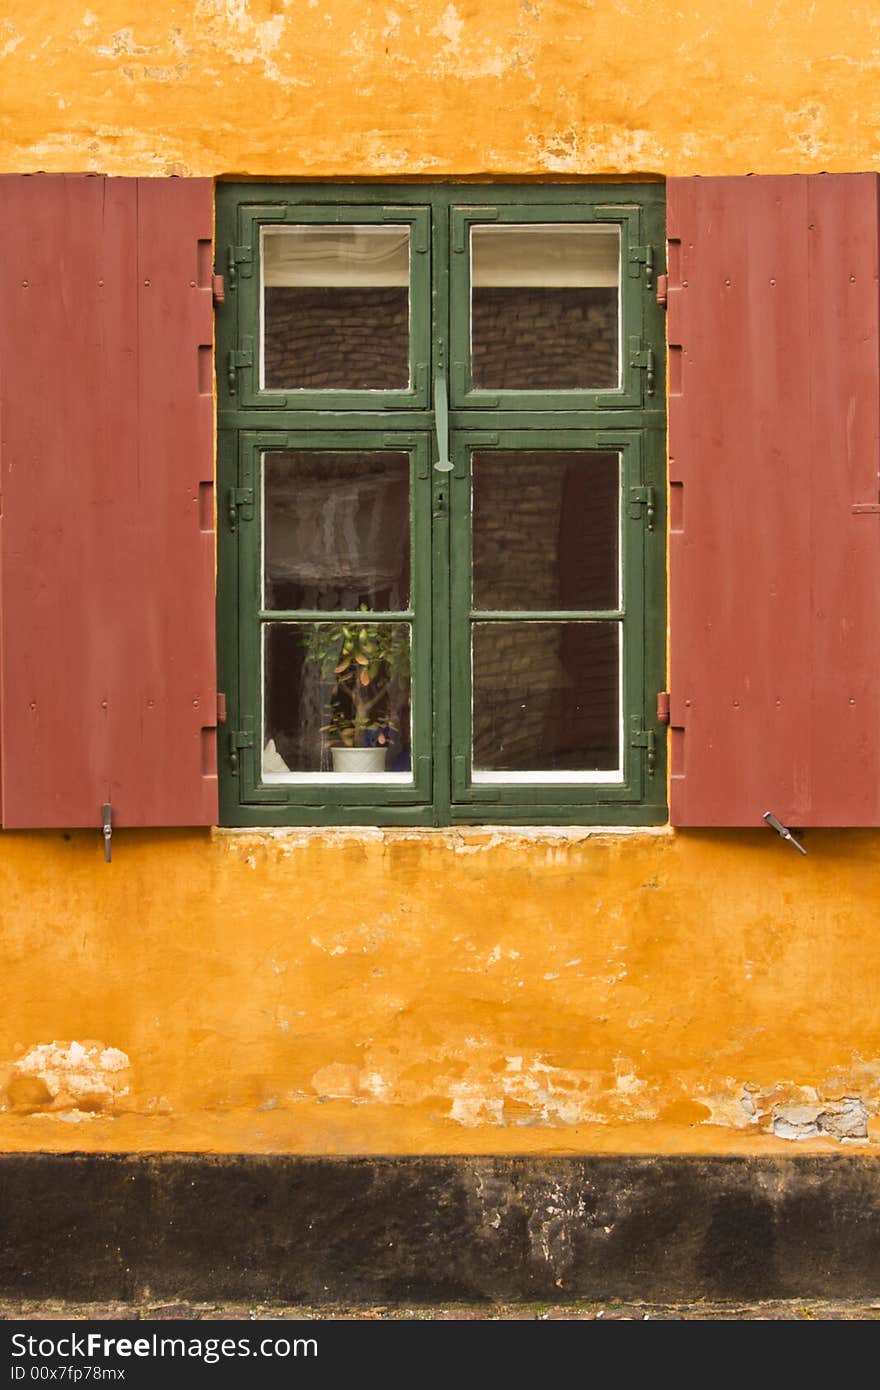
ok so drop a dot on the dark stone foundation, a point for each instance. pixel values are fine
(386, 1230)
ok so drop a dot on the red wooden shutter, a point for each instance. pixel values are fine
(107, 691)
(774, 441)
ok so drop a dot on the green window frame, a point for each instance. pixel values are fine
(444, 430)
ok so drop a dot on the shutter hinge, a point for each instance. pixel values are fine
(218, 289)
(647, 739)
(221, 707)
(640, 497)
(236, 358)
(662, 706)
(642, 355)
(238, 738)
(642, 256)
(238, 256)
(237, 497)
(662, 290)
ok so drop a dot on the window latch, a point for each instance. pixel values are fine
(441, 418)
(647, 739)
(643, 497)
(239, 500)
(107, 829)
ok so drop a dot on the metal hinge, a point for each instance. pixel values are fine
(640, 497)
(239, 497)
(238, 256)
(238, 738)
(236, 358)
(218, 290)
(642, 256)
(642, 355)
(663, 291)
(647, 739)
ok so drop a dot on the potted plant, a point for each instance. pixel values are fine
(367, 663)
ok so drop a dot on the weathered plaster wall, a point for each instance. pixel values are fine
(419, 991)
(369, 992)
(385, 87)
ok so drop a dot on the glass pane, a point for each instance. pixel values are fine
(546, 698)
(544, 307)
(336, 308)
(336, 530)
(546, 530)
(336, 686)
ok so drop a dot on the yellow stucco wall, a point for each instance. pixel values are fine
(385, 87)
(436, 991)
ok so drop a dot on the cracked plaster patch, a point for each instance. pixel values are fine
(76, 1077)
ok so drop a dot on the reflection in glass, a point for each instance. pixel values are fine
(546, 698)
(337, 699)
(336, 530)
(546, 530)
(544, 307)
(336, 308)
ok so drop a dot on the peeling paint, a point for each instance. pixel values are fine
(604, 88)
(791, 1111)
(845, 1120)
(10, 38)
(79, 1078)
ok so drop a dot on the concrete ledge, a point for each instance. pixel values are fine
(380, 1230)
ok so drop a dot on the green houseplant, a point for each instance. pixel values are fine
(366, 665)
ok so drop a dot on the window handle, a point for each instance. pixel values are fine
(441, 417)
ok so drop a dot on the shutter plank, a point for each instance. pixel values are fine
(845, 428)
(774, 426)
(107, 591)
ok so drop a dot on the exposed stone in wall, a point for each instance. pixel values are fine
(71, 1079)
(790, 1111)
(847, 1119)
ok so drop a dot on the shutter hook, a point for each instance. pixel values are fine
(782, 830)
(107, 828)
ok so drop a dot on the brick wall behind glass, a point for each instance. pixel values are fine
(357, 339)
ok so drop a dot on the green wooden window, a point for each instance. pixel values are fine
(441, 520)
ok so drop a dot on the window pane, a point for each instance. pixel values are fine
(546, 698)
(336, 686)
(546, 530)
(336, 530)
(544, 307)
(336, 308)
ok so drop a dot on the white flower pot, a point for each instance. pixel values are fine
(357, 762)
